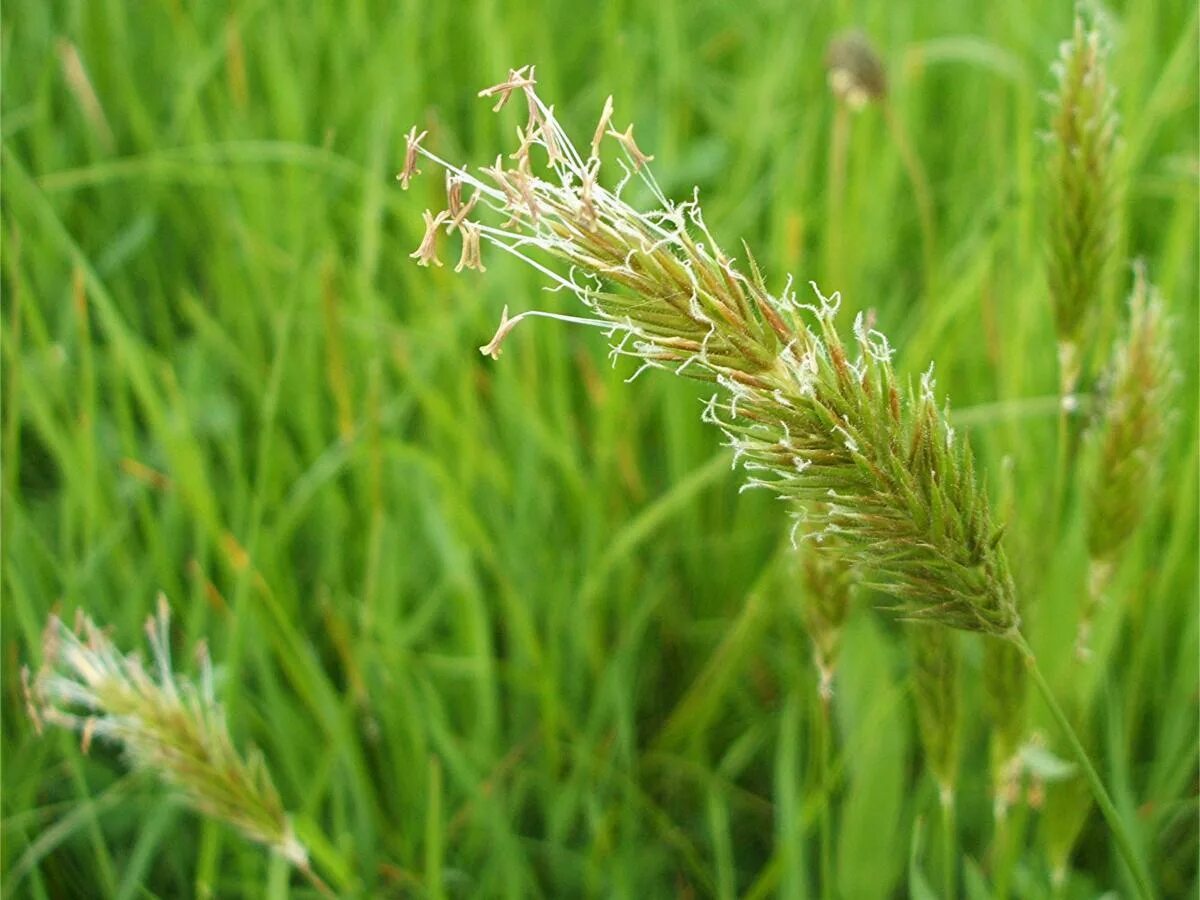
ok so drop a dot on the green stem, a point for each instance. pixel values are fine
(835, 199)
(949, 843)
(317, 882)
(921, 193)
(1115, 823)
(1062, 463)
(1002, 866)
(1010, 837)
(825, 825)
(1065, 449)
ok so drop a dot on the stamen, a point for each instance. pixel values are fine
(492, 347)
(517, 80)
(470, 258)
(426, 253)
(549, 140)
(605, 121)
(630, 145)
(412, 142)
(463, 211)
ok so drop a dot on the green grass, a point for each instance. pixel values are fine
(508, 629)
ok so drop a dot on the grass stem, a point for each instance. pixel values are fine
(839, 148)
(949, 843)
(825, 824)
(922, 194)
(1116, 824)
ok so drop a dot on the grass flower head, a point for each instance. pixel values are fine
(822, 423)
(167, 725)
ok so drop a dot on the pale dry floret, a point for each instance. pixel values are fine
(168, 725)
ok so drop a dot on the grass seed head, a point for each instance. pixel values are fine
(167, 725)
(1081, 186)
(821, 422)
(1129, 437)
(856, 73)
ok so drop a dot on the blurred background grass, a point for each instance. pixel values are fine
(507, 629)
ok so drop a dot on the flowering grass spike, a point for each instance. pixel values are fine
(168, 726)
(820, 423)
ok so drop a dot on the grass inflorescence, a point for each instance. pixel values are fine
(1081, 178)
(824, 425)
(168, 726)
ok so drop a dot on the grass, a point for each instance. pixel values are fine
(508, 629)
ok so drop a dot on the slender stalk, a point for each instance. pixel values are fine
(1062, 462)
(1115, 823)
(839, 147)
(825, 823)
(1002, 866)
(317, 881)
(921, 193)
(949, 843)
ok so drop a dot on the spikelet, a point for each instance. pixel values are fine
(1127, 441)
(1081, 202)
(1130, 434)
(167, 725)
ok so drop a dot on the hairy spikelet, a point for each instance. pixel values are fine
(1130, 433)
(822, 423)
(1081, 203)
(167, 725)
(1127, 441)
(936, 667)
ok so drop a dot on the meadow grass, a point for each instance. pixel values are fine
(509, 629)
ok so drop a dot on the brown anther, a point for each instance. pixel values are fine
(626, 138)
(453, 193)
(531, 99)
(412, 142)
(497, 174)
(586, 186)
(464, 210)
(512, 197)
(518, 79)
(527, 137)
(426, 253)
(492, 347)
(605, 122)
(549, 140)
(524, 184)
(470, 258)
(86, 735)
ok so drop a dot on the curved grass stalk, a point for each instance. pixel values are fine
(1116, 824)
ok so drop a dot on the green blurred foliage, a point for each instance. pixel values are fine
(508, 629)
